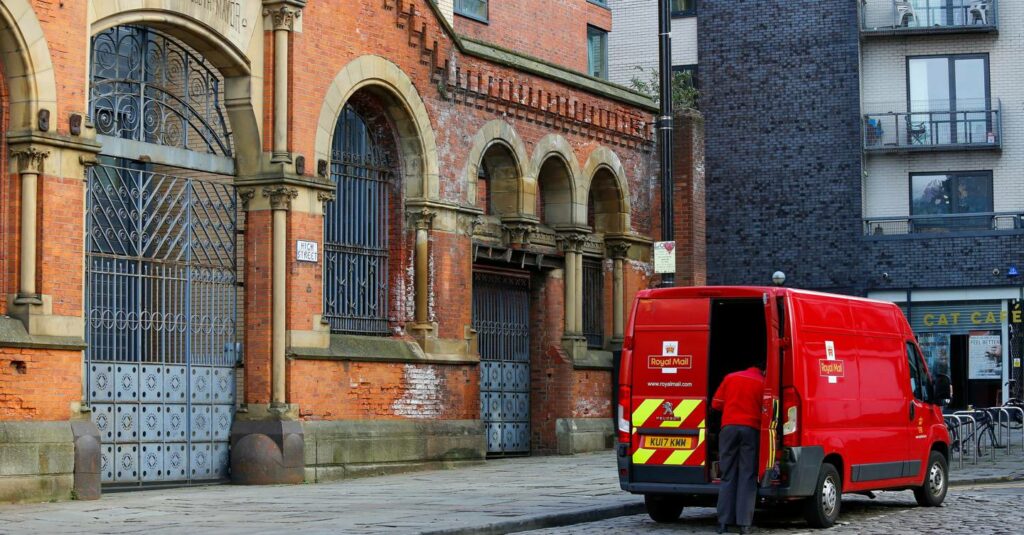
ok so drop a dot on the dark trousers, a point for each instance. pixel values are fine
(737, 450)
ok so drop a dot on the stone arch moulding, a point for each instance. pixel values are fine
(496, 132)
(604, 159)
(377, 73)
(556, 146)
(28, 66)
(224, 54)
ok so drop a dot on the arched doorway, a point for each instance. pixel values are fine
(162, 300)
(605, 207)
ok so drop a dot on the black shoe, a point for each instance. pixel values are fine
(745, 529)
(722, 528)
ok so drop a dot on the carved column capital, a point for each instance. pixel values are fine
(518, 233)
(472, 223)
(617, 250)
(423, 218)
(325, 197)
(30, 159)
(282, 17)
(280, 196)
(572, 242)
(245, 195)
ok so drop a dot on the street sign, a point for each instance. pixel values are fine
(306, 251)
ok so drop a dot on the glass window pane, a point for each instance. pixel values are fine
(932, 194)
(597, 52)
(929, 84)
(682, 5)
(970, 84)
(472, 8)
(973, 194)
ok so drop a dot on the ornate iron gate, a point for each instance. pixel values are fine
(161, 311)
(501, 317)
(593, 302)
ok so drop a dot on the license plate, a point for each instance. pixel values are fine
(671, 443)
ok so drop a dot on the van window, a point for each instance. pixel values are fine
(918, 376)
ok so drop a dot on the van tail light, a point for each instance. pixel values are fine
(790, 417)
(623, 415)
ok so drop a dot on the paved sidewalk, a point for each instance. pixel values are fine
(501, 496)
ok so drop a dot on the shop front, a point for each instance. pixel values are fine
(968, 341)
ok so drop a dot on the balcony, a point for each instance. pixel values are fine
(943, 128)
(928, 17)
(972, 223)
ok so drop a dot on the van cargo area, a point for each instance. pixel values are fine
(738, 340)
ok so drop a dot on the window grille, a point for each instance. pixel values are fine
(356, 231)
(593, 303)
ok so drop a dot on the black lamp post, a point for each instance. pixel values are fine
(664, 126)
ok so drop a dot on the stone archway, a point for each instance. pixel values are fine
(606, 193)
(417, 145)
(27, 66)
(557, 173)
(498, 154)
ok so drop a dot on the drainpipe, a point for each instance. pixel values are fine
(30, 166)
(280, 202)
(664, 125)
(283, 23)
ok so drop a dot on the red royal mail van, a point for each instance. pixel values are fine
(848, 403)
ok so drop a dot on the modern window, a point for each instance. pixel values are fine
(919, 381)
(952, 198)
(684, 8)
(474, 9)
(597, 52)
(948, 99)
(602, 3)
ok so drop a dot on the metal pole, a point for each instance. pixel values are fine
(664, 125)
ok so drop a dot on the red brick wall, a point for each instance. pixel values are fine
(592, 394)
(305, 279)
(551, 371)
(552, 31)
(61, 248)
(39, 384)
(374, 390)
(66, 31)
(452, 283)
(258, 303)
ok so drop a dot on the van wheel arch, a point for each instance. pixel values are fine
(837, 461)
(943, 449)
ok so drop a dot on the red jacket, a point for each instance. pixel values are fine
(739, 398)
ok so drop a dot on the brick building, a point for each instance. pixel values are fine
(296, 242)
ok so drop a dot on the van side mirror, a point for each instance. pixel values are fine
(942, 389)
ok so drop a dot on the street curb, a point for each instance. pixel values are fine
(553, 520)
(984, 480)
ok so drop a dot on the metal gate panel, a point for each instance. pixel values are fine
(501, 316)
(161, 298)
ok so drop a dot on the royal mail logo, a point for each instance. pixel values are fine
(831, 368)
(664, 361)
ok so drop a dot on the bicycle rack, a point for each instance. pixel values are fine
(1009, 439)
(1021, 411)
(950, 419)
(974, 433)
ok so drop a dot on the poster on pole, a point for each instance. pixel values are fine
(664, 257)
(985, 355)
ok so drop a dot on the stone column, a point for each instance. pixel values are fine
(30, 166)
(618, 251)
(280, 201)
(423, 218)
(282, 18)
(572, 245)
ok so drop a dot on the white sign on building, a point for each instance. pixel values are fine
(664, 257)
(306, 251)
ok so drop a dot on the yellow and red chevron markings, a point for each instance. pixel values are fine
(670, 413)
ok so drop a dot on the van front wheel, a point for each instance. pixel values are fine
(936, 482)
(822, 509)
(663, 509)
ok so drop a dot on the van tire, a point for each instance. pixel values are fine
(663, 509)
(932, 492)
(822, 509)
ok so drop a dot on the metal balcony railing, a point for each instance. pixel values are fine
(944, 223)
(969, 129)
(888, 17)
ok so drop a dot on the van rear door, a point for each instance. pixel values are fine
(771, 433)
(669, 390)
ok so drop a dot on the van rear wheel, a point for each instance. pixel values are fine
(822, 509)
(663, 509)
(936, 482)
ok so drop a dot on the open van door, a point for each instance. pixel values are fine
(771, 410)
(668, 398)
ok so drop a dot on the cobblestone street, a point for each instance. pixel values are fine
(980, 509)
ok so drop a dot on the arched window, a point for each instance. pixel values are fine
(356, 227)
